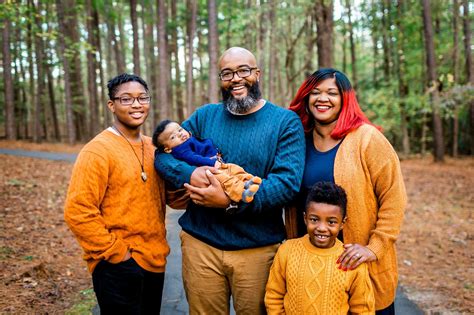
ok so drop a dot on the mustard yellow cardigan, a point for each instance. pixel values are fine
(367, 167)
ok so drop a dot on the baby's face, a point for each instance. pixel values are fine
(172, 136)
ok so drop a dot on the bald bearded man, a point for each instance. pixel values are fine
(228, 248)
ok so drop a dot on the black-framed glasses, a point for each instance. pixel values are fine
(129, 100)
(227, 75)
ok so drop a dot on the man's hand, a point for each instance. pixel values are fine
(199, 177)
(211, 195)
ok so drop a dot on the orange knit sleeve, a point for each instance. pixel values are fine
(276, 285)
(361, 292)
(82, 210)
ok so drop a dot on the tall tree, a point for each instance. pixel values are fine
(272, 61)
(191, 31)
(325, 25)
(469, 69)
(402, 83)
(63, 21)
(163, 59)
(92, 71)
(213, 38)
(387, 62)
(177, 69)
(11, 131)
(136, 48)
(352, 44)
(455, 75)
(39, 127)
(52, 116)
(438, 145)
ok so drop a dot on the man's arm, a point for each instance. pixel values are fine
(284, 179)
(82, 210)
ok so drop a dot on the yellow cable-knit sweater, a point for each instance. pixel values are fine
(111, 210)
(305, 279)
(368, 169)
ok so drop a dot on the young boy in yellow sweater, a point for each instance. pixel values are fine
(115, 206)
(305, 278)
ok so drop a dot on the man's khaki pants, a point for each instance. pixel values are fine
(211, 276)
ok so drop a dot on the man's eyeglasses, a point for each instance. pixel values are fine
(228, 75)
(129, 100)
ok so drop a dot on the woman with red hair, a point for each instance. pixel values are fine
(344, 147)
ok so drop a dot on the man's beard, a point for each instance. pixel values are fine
(243, 105)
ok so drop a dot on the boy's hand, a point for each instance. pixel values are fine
(211, 196)
(354, 255)
(127, 256)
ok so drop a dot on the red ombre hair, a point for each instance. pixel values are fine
(351, 116)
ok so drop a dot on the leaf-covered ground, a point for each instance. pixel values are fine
(41, 270)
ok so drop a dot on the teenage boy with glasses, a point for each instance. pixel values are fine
(115, 206)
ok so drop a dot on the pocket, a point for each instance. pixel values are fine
(384, 264)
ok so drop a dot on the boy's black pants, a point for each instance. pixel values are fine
(127, 288)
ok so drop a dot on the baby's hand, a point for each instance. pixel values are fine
(217, 164)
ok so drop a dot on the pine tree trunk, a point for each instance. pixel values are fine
(455, 75)
(39, 117)
(272, 62)
(121, 41)
(10, 124)
(402, 84)
(163, 60)
(91, 72)
(177, 70)
(438, 146)
(325, 26)
(385, 43)
(191, 33)
(213, 91)
(71, 130)
(103, 111)
(469, 69)
(351, 41)
(136, 48)
(22, 125)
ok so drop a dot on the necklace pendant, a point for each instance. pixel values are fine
(144, 177)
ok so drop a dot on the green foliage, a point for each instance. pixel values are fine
(240, 23)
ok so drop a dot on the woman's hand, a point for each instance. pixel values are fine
(354, 255)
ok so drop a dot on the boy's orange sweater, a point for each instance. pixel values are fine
(111, 210)
(305, 279)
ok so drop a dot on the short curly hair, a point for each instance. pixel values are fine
(114, 83)
(329, 193)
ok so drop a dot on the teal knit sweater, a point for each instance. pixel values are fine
(268, 143)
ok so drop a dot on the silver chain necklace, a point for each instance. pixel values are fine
(144, 176)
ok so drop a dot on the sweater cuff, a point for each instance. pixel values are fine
(376, 245)
(187, 172)
(116, 253)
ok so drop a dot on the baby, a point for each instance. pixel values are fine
(170, 137)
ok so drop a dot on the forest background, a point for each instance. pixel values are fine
(410, 61)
